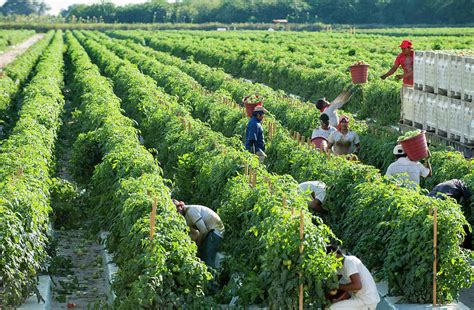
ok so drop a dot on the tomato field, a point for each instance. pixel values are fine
(97, 126)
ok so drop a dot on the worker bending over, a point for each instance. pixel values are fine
(459, 191)
(316, 191)
(403, 169)
(360, 291)
(206, 227)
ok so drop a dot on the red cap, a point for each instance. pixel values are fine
(405, 44)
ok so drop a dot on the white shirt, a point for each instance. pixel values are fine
(203, 219)
(368, 293)
(321, 133)
(316, 187)
(343, 144)
(331, 112)
(413, 170)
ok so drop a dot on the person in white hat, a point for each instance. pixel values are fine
(254, 138)
(316, 191)
(403, 169)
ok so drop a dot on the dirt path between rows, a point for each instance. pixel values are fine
(12, 52)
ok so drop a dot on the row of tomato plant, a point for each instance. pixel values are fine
(293, 63)
(25, 179)
(379, 100)
(122, 180)
(12, 37)
(377, 142)
(261, 238)
(17, 73)
(348, 210)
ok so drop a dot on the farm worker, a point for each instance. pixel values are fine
(404, 59)
(207, 229)
(459, 191)
(406, 170)
(316, 191)
(330, 109)
(324, 130)
(254, 139)
(344, 141)
(360, 291)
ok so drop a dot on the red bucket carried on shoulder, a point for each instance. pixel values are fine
(414, 144)
(251, 102)
(320, 143)
(359, 72)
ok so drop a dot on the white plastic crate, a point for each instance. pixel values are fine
(419, 69)
(430, 69)
(431, 106)
(443, 71)
(419, 107)
(442, 113)
(408, 107)
(468, 78)
(456, 74)
(455, 118)
(468, 122)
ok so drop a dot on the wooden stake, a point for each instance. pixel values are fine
(152, 219)
(283, 201)
(298, 137)
(254, 180)
(435, 246)
(303, 140)
(301, 287)
(250, 175)
(274, 130)
(189, 126)
(270, 130)
(246, 168)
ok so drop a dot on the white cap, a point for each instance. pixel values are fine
(398, 150)
(316, 187)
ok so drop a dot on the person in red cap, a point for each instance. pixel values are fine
(404, 59)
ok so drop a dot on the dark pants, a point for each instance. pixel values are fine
(209, 248)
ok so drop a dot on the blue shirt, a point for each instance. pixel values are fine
(254, 135)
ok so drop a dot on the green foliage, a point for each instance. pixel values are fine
(18, 72)
(299, 11)
(305, 164)
(27, 157)
(67, 204)
(123, 184)
(206, 168)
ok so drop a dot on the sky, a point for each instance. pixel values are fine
(57, 5)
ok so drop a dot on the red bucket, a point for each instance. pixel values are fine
(320, 143)
(249, 107)
(359, 73)
(416, 147)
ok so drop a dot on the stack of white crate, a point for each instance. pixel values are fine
(442, 98)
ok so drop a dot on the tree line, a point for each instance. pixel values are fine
(395, 12)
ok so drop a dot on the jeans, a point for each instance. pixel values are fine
(209, 248)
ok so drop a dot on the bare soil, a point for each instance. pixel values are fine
(79, 282)
(14, 51)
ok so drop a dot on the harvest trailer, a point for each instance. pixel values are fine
(441, 100)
